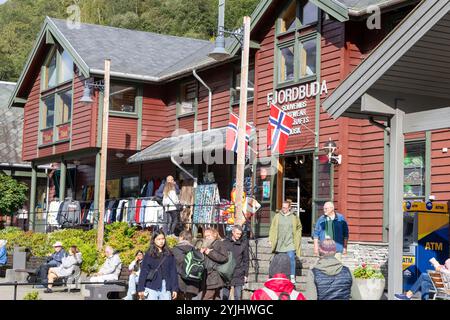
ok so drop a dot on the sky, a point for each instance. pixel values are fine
(2, 1)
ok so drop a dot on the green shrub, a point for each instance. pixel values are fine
(33, 295)
(365, 271)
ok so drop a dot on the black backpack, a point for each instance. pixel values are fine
(193, 267)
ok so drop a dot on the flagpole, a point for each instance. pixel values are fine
(242, 124)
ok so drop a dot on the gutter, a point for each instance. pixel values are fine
(23, 166)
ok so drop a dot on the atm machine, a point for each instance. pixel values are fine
(425, 235)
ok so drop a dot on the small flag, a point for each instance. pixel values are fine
(232, 134)
(279, 129)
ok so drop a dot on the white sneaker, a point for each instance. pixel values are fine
(293, 279)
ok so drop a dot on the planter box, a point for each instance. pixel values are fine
(368, 289)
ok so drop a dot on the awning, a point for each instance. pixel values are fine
(182, 145)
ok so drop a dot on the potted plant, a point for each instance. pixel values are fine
(369, 283)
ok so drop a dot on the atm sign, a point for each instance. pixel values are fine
(408, 261)
(437, 246)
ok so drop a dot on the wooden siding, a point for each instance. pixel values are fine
(157, 169)
(122, 133)
(31, 122)
(186, 123)
(45, 152)
(440, 165)
(158, 119)
(84, 118)
(62, 148)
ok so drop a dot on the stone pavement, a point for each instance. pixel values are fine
(59, 293)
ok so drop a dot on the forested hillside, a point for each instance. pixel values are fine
(21, 20)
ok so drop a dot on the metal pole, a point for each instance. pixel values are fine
(209, 97)
(62, 180)
(103, 157)
(240, 167)
(32, 209)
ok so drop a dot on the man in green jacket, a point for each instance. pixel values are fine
(285, 234)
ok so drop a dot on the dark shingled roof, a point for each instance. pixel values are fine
(156, 54)
(11, 124)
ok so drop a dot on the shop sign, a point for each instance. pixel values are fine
(292, 101)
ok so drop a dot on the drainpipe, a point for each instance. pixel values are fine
(209, 103)
(209, 97)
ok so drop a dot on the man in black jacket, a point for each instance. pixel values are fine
(238, 245)
(53, 260)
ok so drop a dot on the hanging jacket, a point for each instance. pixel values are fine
(137, 210)
(150, 187)
(329, 280)
(71, 212)
(278, 284)
(3, 255)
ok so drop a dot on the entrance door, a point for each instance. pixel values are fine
(291, 190)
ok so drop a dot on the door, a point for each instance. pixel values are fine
(291, 190)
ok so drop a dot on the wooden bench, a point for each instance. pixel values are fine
(439, 289)
(6, 266)
(113, 289)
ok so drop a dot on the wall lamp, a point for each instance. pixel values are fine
(88, 86)
(330, 148)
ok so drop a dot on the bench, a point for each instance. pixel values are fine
(6, 266)
(439, 289)
(113, 289)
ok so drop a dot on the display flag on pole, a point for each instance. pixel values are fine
(279, 129)
(232, 134)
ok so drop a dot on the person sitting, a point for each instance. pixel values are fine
(135, 270)
(110, 269)
(66, 267)
(279, 285)
(53, 260)
(424, 283)
(3, 253)
(329, 279)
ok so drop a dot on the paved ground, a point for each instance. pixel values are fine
(60, 293)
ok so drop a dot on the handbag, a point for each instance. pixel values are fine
(178, 205)
(152, 273)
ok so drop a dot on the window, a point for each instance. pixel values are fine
(122, 98)
(49, 112)
(297, 45)
(66, 67)
(130, 187)
(414, 170)
(235, 91)
(59, 68)
(188, 97)
(308, 58)
(66, 106)
(51, 72)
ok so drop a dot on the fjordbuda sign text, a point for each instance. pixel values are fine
(293, 101)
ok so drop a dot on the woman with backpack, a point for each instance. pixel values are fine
(189, 286)
(158, 279)
(216, 253)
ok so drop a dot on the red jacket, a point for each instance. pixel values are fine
(279, 283)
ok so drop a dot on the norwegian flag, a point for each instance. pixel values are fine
(279, 129)
(232, 134)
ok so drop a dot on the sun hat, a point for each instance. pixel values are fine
(57, 244)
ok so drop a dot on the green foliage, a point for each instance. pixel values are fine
(21, 20)
(12, 194)
(368, 272)
(33, 295)
(171, 241)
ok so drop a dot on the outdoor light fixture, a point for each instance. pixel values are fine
(220, 53)
(88, 85)
(119, 155)
(330, 148)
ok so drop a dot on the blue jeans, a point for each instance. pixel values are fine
(162, 294)
(132, 282)
(291, 255)
(237, 293)
(423, 284)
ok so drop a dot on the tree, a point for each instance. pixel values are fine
(12, 194)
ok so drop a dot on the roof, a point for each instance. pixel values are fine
(397, 65)
(182, 145)
(132, 52)
(356, 6)
(11, 124)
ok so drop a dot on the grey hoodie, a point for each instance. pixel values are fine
(328, 265)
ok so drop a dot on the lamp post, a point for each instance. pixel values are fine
(242, 123)
(219, 53)
(103, 157)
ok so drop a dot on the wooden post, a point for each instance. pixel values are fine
(103, 158)
(32, 208)
(242, 123)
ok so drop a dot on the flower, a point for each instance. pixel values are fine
(365, 271)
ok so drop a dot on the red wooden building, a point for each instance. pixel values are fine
(301, 51)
